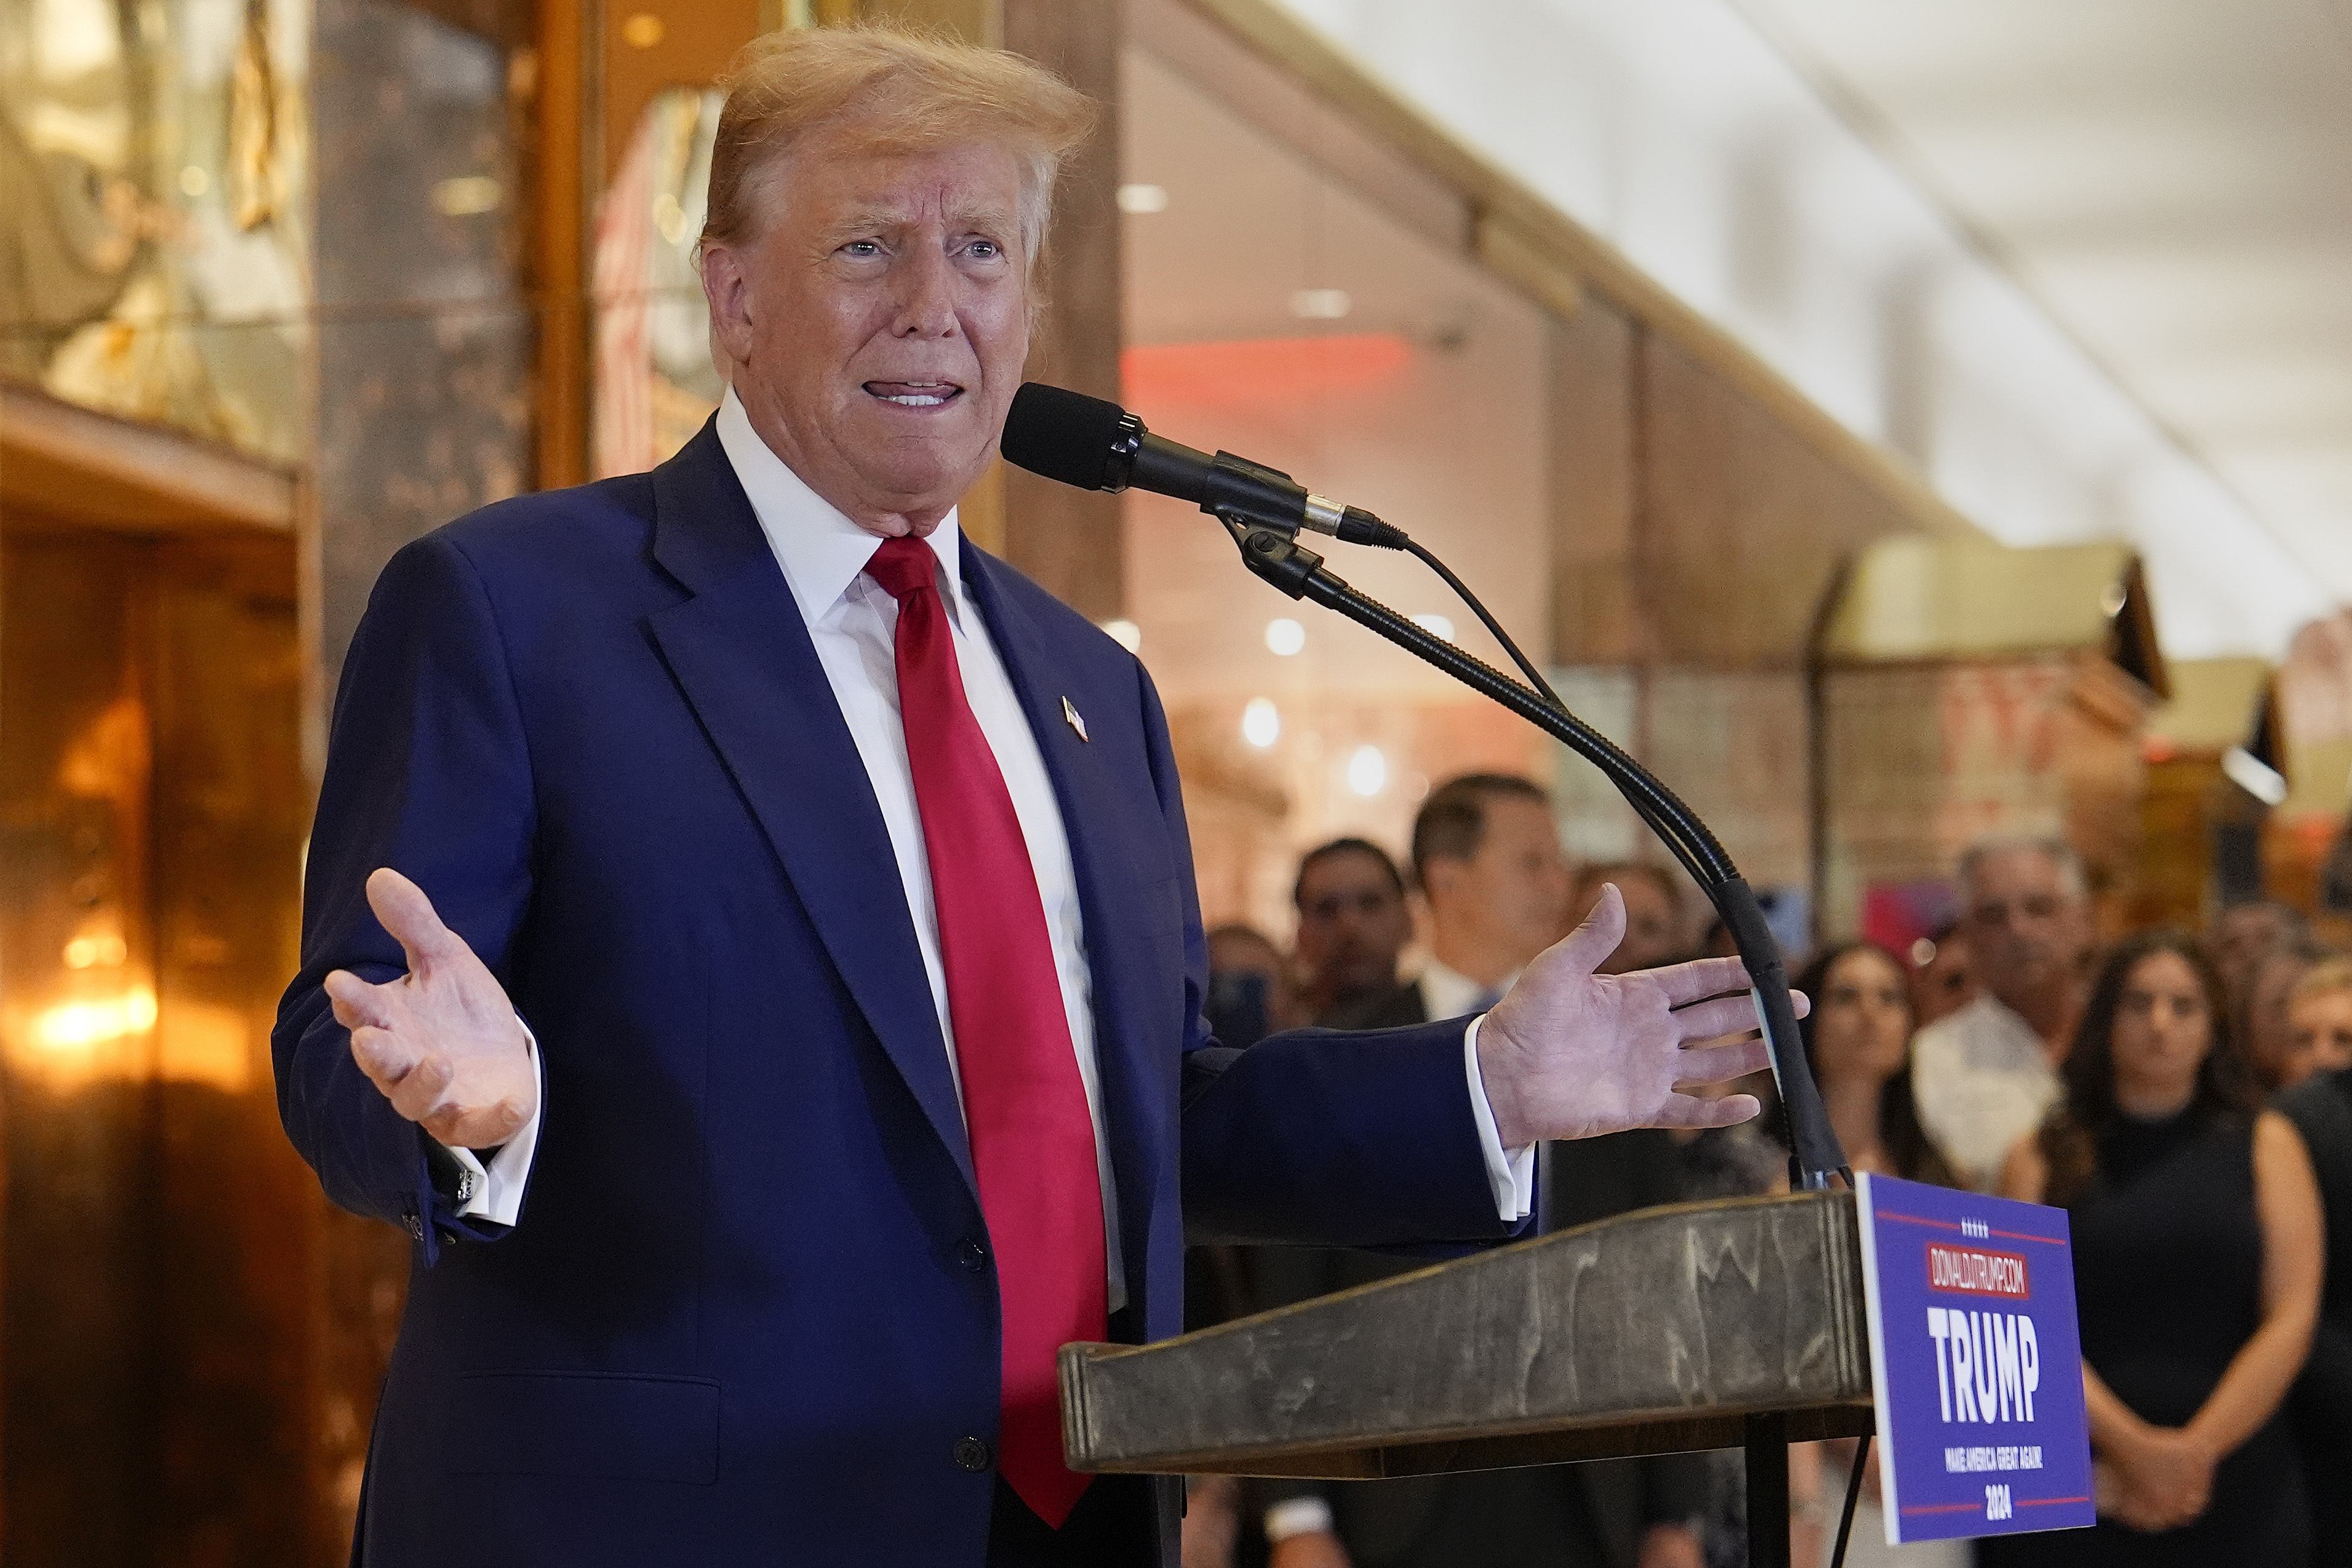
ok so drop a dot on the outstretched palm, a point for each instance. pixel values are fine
(442, 1042)
(1572, 1053)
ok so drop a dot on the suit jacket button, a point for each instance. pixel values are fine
(972, 1255)
(971, 1454)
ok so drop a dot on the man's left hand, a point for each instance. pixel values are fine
(1572, 1053)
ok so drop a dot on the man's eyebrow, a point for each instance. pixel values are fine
(866, 219)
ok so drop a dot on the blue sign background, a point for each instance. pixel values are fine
(1981, 1429)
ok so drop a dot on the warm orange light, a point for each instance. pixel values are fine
(96, 950)
(78, 1026)
(1258, 369)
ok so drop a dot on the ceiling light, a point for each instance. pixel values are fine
(1320, 304)
(1142, 199)
(1368, 770)
(1285, 636)
(1261, 723)
(2253, 775)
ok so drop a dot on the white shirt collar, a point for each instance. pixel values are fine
(820, 550)
(1446, 994)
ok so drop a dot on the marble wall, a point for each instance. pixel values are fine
(426, 331)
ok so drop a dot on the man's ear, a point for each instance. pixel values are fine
(729, 289)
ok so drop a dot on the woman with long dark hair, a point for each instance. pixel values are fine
(1858, 1038)
(2198, 1251)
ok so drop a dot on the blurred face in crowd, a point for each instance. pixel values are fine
(878, 320)
(1653, 933)
(1862, 1017)
(2027, 931)
(1352, 924)
(2163, 1029)
(1947, 982)
(2270, 1032)
(1503, 905)
(2242, 937)
(2321, 1026)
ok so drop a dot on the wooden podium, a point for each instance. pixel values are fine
(1730, 1324)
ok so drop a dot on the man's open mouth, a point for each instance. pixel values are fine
(914, 394)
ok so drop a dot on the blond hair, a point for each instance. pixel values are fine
(907, 92)
(2324, 978)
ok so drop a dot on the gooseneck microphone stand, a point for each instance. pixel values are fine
(1814, 1155)
(1097, 445)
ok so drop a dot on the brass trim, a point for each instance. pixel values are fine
(60, 459)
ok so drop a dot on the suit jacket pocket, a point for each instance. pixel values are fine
(613, 1425)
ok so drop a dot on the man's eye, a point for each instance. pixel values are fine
(985, 249)
(862, 248)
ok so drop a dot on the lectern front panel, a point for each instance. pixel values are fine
(1650, 1332)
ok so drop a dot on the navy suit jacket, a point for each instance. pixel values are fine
(739, 1319)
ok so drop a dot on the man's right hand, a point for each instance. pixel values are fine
(442, 1042)
(1307, 1549)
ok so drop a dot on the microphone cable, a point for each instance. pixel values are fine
(1659, 809)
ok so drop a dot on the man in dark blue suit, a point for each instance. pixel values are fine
(663, 821)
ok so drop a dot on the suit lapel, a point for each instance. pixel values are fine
(741, 653)
(1110, 897)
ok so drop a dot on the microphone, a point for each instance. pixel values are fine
(1098, 446)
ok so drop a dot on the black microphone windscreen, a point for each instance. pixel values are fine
(1063, 434)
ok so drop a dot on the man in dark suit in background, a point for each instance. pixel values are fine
(750, 946)
(1353, 923)
(1487, 858)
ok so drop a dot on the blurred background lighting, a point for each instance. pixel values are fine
(1140, 199)
(1261, 722)
(1285, 636)
(1125, 633)
(1320, 304)
(1435, 625)
(1368, 770)
(78, 1026)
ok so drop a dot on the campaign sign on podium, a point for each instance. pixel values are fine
(1975, 1363)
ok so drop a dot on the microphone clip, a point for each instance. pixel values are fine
(1271, 552)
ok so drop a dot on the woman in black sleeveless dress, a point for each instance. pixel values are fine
(2197, 1268)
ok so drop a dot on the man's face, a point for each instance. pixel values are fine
(2270, 1043)
(2027, 932)
(1352, 923)
(2241, 938)
(2322, 1024)
(878, 317)
(1946, 983)
(1507, 898)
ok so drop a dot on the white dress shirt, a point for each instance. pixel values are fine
(853, 623)
(1447, 994)
(1983, 1080)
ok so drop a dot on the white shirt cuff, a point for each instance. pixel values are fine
(1297, 1516)
(496, 1189)
(1510, 1171)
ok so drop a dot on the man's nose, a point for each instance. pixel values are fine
(926, 296)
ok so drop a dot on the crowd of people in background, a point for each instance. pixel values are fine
(2188, 1098)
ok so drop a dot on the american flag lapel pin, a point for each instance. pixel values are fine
(1070, 717)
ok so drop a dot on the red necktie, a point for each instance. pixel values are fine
(1033, 1143)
